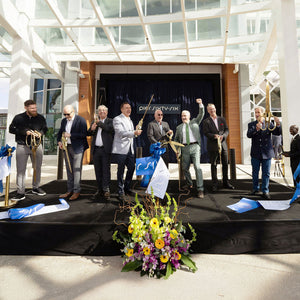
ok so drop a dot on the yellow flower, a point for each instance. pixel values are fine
(154, 223)
(129, 252)
(146, 251)
(167, 220)
(173, 234)
(130, 228)
(177, 255)
(159, 244)
(164, 258)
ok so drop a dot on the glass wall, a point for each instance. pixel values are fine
(48, 96)
(3, 121)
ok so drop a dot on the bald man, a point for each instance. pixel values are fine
(74, 129)
(188, 134)
(294, 152)
(156, 130)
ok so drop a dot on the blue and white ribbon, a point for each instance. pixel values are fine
(5, 164)
(146, 165)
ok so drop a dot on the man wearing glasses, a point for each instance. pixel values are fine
(157, 130)
(72, 132)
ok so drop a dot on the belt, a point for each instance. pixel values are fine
(98, 147)
(190, 144)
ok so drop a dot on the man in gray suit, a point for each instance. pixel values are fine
(156, 130)
(123, 148)
(188, 134)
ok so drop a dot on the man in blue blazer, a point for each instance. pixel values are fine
(261, 150)
(188, 134)
(74, 129)
(102, 131)
(123, 148)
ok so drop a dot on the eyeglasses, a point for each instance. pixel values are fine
(160, 114)
(68, 114)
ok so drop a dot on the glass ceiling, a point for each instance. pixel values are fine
(170, 31)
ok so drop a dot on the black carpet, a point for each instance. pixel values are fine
(87, 226)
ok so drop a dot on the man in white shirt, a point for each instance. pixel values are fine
(188, 133)
(123, 148)
(102, 131)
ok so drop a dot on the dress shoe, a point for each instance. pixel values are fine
(66, 195)
(266, 196)
(200, 194)
(228, 186)
(74, 196)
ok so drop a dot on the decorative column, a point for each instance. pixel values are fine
(284, 14)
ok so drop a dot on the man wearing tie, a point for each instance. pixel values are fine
(156, 130)
(102, 131)
(123, 148)
(216, 131)
(188, 133)
(74, 129)
(294, 152)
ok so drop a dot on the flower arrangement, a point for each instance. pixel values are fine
(154, 243)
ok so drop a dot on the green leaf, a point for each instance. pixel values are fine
(188, 262)
(169, 270)
(132, 265)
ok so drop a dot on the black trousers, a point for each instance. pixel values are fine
(101, 161)
(214, 158)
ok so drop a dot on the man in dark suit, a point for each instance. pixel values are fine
(102, 131)
(188, 134)
(294, 152)
(73, 128)
(157, 129)
(262, 150)
(216, 130)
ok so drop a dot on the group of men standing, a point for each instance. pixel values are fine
(116, 137)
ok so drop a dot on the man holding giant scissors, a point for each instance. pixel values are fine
(28, 128)
(73, 128)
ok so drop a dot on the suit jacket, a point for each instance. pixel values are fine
(210, 129)
(153, 131)
(295, 152)
(261, 146)
(194, 125)
(78, 133)
(124, 135)
(107, 134)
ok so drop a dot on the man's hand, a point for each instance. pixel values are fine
(67, 135)
(60, 145)
(138, 132)
(199, 100)
(94, 126)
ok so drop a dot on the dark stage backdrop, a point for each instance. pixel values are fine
(182, 89)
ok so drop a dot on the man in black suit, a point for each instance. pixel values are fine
(73, 128)
(216, 130)
(157, 129)
(294, 152)
(102, 130)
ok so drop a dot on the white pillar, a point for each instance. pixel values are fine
(245, 112)
(284, 13)
(19, 87)
(71, 88)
